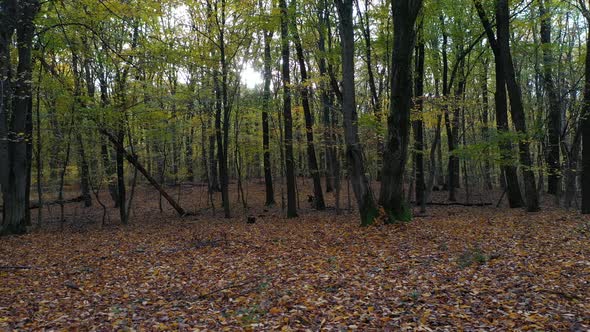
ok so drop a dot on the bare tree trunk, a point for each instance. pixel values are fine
(287, 117)
(418, 127)
(485, 130)
(395, 156)
(318, 194)
(190, 162)
(354, 156)
(121, 194)
(510, 176)
(270, 196)
(516, 105)
(39, 154)
(328, 116)
(554, 119)
(585, 123)
(571, 173)
(84, 172)
(15, 100)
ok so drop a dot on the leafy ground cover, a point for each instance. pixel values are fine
(458, 268)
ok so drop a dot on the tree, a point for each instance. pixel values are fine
(15, 111)
(395, 156)
(318, 195)
(585, 119)
(270, 200)
(516, 103)
(418, 125)
(508, 170)
(287, 116)
(554, 117)
(354, 156)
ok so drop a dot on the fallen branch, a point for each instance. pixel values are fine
(33, 206)
(4, 268)
(457, 204)
(59, 202)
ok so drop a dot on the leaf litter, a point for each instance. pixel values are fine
(471, 269)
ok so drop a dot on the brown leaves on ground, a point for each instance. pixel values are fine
(458, 269)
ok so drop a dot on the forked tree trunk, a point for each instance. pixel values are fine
(516, 104)
(312, 162)
(510, 176)
(405, 13)
(354, 156)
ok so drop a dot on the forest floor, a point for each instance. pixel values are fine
(456, 268)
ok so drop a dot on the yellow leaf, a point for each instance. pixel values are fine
(274, 311)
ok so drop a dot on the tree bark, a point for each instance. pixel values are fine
(585, 122)
(287, 116)
(554, 117)
(510, 176)
(107, 159)
(405, 13)
(485, 130)
(516, 104)
(354, 156)
(15, 110)
(418, 125)
(269, 190)
(312, 162)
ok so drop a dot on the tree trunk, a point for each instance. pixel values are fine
(223, 160)
(312, 162)
(327, 104)
(418, 126)
(354, 156)
(516, 105)
(510, 176)
(15, 109)
(571, 174)
(585, 122)
(485, 131)
(121, 194)
(270, 196)
(554, 118)
(84, 172)
(82, 162)
(107, 159)
(190, 162)
(449, 125)
(214, 178)
(395, 156)
(287, 117)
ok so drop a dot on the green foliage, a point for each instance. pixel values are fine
(472, 256)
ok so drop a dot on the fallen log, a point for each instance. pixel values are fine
(457, 204)
(4, 268)
(33, 206)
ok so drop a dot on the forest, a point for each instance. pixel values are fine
(295, 165)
